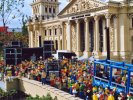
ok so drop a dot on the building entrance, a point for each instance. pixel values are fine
(82, 36)
(91, 29)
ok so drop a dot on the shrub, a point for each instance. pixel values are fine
(48, 97)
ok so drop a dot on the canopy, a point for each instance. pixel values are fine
(91, 59)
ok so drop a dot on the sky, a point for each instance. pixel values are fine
(28, 11)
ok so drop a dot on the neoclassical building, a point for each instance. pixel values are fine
(80, 27)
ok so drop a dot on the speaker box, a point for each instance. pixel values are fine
(12, 55)
(27, 53)
(48, 49)
(16, 44)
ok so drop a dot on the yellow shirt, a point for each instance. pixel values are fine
(9, 73)
(110, 97)
(77, 86)
(94, 97)
(94, 89)
(124, 78)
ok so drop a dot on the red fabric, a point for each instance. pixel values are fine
(3, 29)
(39, 78)
(101, 97)
(52, 82)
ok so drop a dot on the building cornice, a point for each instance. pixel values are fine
(86, 11)
(44, 2)
(73, 1)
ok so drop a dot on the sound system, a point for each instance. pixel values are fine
(12, 56)
(16, 44)
(31, 53)
(48, 49)
(16, 53)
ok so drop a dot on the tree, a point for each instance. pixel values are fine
(24, 27)
(10, 9)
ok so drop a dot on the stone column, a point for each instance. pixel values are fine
(96, 36)
(78, 38)
(104, 39)
(31, 39)
(30, 31)
(108, 16)
(52, 30)
(48, 33)
(59, 44)
(87, 38)
(38, 34)
(125, 36)
(29, 35)
(69, 40)
(63, 39)
(117, 37)
(35, 45)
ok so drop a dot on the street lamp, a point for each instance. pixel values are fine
(108, 42)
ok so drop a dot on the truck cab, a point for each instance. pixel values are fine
(52, 67)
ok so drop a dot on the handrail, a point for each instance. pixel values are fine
(102, 63)
(118, 84)
(114, 66)
(130, 88)
(101, 79)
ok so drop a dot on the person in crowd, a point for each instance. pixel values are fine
(43, 77)
(9, 74)
(111, 97)
(76, 78)
(89, 94)
(58, 82)
(94, 96)
(122, 96)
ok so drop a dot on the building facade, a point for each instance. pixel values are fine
(80, 27)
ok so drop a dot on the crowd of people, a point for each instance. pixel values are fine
(75, 77)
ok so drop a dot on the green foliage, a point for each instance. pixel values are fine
(10, 9)
(48, 97)
(24, 27)
(7, 94)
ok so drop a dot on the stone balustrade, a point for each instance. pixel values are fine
(34, 88)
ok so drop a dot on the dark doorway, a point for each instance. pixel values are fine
(82, 36)
(100, 35)
(91, 29)
(40, 41)
(56, 44)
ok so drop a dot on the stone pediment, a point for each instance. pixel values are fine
(81, 5)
